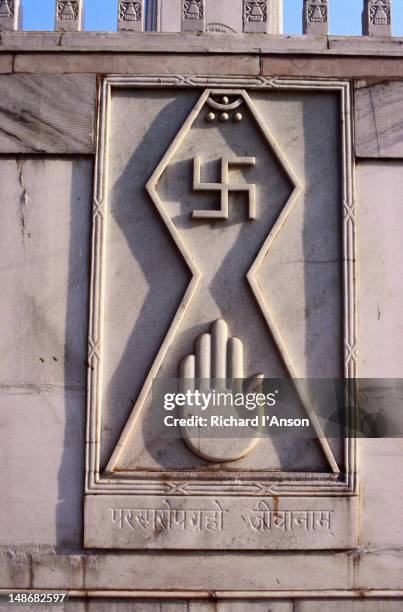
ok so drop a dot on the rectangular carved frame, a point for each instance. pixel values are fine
(254, 484)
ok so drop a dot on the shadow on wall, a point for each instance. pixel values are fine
(322, 245)
(69, 511)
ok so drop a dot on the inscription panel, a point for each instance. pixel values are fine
(249, 523)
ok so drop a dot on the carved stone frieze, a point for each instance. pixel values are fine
(377, 18)
(193, 15)
(220, 208)
(10, 14)
(69, 15)
(315, 17)
(6, 8)
(131, 15)
(67, 10)
(256, 14)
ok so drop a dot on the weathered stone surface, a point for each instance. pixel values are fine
(376, 457)
(105, 42)
(136, 64)
(163, 604)
(47, 114)
(44, 231)
(253, 605)
(14, 569)
(266, 571)
(380, 225)
(183, 605)
(379, 119)
(50, 571)
(340, 67)
(380, 566)
(379, 188)
(352, 605)
(46, 511)
(153, 605)
(278, 573)
(6, 63)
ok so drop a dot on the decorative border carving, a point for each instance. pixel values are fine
(252, 483)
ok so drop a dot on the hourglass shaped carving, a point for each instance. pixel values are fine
(224, 257)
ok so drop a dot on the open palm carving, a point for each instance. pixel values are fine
(218, 366)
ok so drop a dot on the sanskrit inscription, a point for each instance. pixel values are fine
(169, 519)
(263, 518)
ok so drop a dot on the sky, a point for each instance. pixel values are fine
(345, 16)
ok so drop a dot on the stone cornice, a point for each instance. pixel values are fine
(262, 44)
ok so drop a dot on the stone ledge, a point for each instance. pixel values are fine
(199, 43)
(139, 64)
(341, 67)
(384, 68)
(325, 572)
(267, 571)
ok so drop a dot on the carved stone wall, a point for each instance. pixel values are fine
(160, 208)
(228, 16)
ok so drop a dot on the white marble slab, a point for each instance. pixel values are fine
(47, 114)
(44, 237)
(379, 119)
(219, 523)
(380, 257)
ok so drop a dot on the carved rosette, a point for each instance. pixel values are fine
(255, 15)
(10, 14)
(377, 18)
(69, 15)
(193, 15)
(315, 17)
